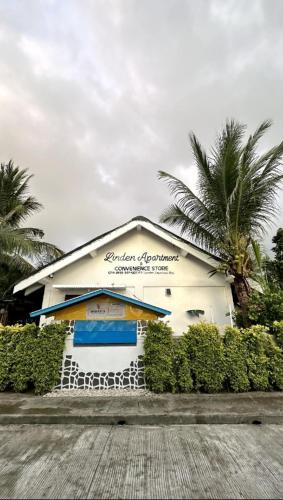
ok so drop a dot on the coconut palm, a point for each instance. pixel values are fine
(236, 200)
(21, 248)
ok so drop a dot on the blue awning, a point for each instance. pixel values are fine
(98, 293)
(105, 332)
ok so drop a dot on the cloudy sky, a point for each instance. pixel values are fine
(97, 96)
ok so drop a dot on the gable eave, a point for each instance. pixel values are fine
(108, 237)
(74, 255)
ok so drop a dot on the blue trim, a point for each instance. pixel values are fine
(96, 293)
(105, 332)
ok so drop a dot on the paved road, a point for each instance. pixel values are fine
(195, 461)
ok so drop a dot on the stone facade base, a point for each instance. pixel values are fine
(73, 378)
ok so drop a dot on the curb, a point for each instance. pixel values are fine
(154, 419)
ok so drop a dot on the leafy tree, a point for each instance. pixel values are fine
(263, 308)
(237, 197)
(266, 306)
(274, 268)
(21, 248)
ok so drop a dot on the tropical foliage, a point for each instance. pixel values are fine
(158, 357)
(266, 306)
(263, 308)
(278, 332)
(16, 205)
(206, 357)
(31, 357)
(237, 197)
(236, 354)
(203, 360)
(274, 268)
(21, 248)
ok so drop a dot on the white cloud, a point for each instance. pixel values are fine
(96, 97)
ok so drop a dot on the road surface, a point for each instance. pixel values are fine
(194, 461)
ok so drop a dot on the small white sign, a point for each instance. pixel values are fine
(98, 310)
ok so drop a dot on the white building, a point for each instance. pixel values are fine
(146, 263)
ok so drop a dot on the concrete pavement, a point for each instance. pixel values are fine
(252, 407)
(103, 462)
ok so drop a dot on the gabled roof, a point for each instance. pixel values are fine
(109, 236)
(97, 293)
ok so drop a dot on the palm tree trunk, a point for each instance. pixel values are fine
(242, 290)
(3, 316)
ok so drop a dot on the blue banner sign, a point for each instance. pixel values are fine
(105, 332)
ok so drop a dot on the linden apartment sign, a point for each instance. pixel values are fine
(140, 263)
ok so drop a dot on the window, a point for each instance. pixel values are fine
(68, 297)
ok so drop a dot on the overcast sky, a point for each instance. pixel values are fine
(97, 96)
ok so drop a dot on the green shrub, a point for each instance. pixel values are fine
(277, 329)
(158, 357)
(202, 361)
(47, 357)
(206, 357)
(6, 355)
(236, 360)
(31, 356)
(24, 341)
(257, 360)
(16, 351)
(181, 366)
(275, 362)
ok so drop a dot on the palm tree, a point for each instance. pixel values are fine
(237, 199)
(21, 248)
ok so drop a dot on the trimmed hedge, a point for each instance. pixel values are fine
(206, 357)
(48, 356)
(275, 362)
(277, 328)
(257, 359)
(31, 357)
(181, 366)
(158, 357)
(202, 360)
(236, 354)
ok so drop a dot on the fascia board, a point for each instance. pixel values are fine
(184, 246)
(33, 288)
(57, 266)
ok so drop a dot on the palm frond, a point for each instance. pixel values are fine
(187, 200)
(174, 216)
(201, 158)
(14, 198)
(248, 152)
(238, 191)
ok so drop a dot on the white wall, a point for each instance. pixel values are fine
(103, 358)
(191, 286)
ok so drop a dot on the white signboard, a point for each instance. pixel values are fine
(97, 310)
(143, 263)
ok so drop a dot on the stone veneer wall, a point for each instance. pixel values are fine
(132, 377)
